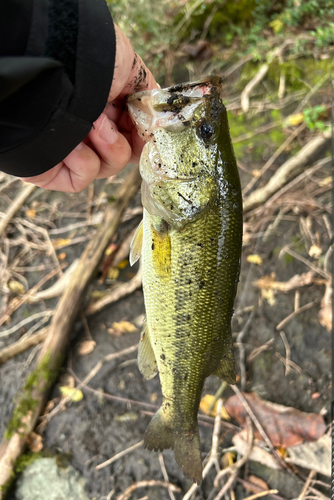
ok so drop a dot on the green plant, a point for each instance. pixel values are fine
(311, 118)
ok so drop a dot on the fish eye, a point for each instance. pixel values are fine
(206, 130)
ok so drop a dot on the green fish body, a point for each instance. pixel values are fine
(190, 244)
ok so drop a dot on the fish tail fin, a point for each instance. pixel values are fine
(161, 434)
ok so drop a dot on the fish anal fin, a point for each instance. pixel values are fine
(146, 358)
(136, 245)
(226, 369)
(161, 434)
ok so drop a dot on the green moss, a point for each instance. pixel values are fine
(45, 373)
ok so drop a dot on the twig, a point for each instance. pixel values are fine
(32, 397)
(144, 484)
(233, 469)
(213, 457)
(250, 85)
(247, 485)
(314, 268)
(22, 345)
(24, 322)
(288, 170)
(16, 303)
(259, 130)
(261, 494)
(306, 485)
(119, 455)
(165, 475)
(116, 294)
(57, 288)
(273, 158)
(293, 314)
(242, 350)
(93, 372)
(16, 205)
(287, 352)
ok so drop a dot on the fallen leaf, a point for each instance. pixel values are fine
(111, 249)
(256, 173)
(254, 259)
(129, 416)
(325, 182)
(122, 327)
(31, 213)
(123, 264)
(257, 454)
(16, 287)
(257, 481)
(205, 404)
(296, 119)
(71, 392)
(326, 312)
(61, 242)
(86, 347)
(35, 442)
(113, 273)
(315, 456)
(315, 251)
(285, 426)
(268, 295)
(154, 397)
(62, 256)
(227, 459)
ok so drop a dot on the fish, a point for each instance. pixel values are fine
(189, 242)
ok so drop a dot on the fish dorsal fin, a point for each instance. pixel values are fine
(226, 369)
(136, 245)
(146, 359)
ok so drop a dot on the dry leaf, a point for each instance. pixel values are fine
(256, 173)
(260, 483)
(86, 347)
(257, 454)
(325, 182)
(62, 256)
(16, 287)
(31, 213)
(296, 119)
(123, 264)
(285, 426)
(113, 273)
(35, 442)
(154, 397)
(122, 327)
(61, 242)
(315, 251)
(268, 295)
(205, 404)
(315, 456)
(227, 459)
(71, 392)
(129, 416)
(325, 314)
(254, 259)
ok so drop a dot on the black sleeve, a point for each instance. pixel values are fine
(56, 67)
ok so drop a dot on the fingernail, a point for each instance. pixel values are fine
(107, 131)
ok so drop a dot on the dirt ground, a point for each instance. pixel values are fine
(292, 368)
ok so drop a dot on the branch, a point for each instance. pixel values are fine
(16, 205)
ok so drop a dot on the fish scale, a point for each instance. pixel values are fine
(190, 244)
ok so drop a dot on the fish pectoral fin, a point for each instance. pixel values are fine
(226, 369)
(136, 245)
(146, 358)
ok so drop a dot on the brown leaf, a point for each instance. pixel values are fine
(285, 426)
(122, 327)
(315, 456)
(35, 442)
(258, 482)
(257, 453)
(86, 347)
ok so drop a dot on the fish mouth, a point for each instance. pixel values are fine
(171, 108)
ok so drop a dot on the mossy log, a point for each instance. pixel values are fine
(35, 390)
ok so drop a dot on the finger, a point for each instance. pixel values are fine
(131, 74)
(110, 145)
(73, 174)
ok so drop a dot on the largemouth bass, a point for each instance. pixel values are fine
(190, 244)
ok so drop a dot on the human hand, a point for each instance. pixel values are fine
(113, 141)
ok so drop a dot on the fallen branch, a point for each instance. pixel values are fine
(16, 205)
(35, 390)
(119, 455)
(22, 345)
(287, 171)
